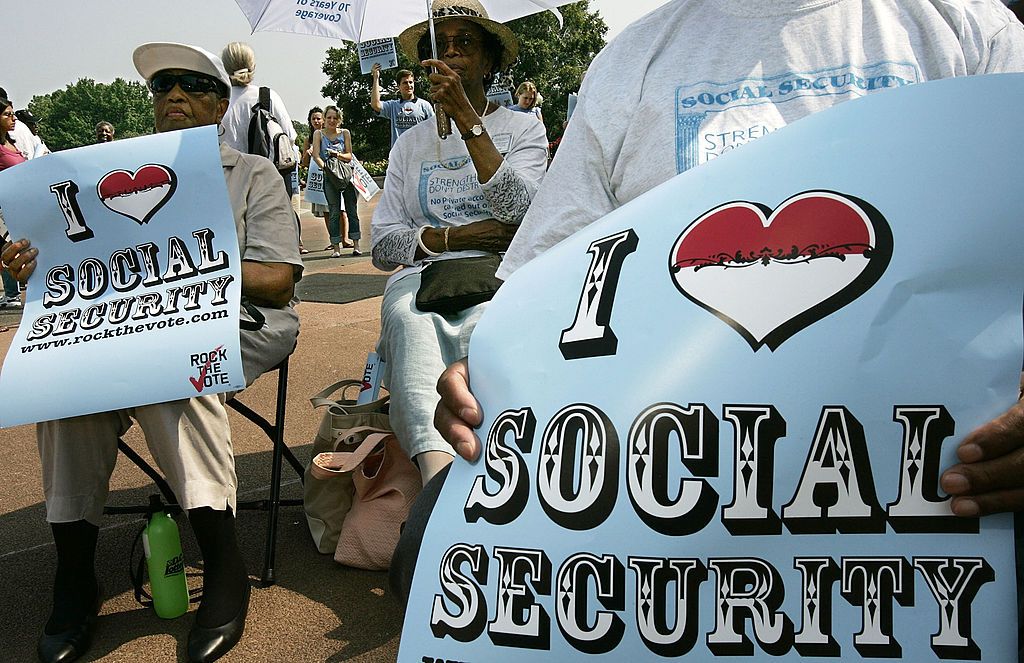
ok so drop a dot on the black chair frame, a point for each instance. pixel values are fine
(274, 431)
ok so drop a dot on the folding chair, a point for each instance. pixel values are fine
(281, 451)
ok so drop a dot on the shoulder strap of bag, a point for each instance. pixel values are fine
(265, 98)
(322, 398)
(353, 459)
(350, 433)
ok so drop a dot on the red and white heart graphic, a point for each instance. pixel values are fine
(769, 274)
(137, 195)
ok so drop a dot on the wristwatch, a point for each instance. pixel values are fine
(475, 131)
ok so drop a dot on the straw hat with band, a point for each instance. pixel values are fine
(467, 10)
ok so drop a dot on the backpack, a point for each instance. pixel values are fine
(267, 138)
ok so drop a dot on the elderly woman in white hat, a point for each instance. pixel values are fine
(190, 438)
(448, 199)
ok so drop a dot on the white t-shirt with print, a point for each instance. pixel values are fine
(698, 78)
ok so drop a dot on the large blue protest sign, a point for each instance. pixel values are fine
(715, 419)
(135, 296)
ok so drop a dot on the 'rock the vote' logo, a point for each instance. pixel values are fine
(769, 274)
(137, 195)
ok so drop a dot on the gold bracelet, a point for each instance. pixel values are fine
(446, 229)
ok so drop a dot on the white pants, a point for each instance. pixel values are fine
(416, 348)
(190, 440)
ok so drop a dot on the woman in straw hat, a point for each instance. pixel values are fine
(450, 198)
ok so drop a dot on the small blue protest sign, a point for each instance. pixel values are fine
(315, 184)
(715, 419)
(499, 94)
(377, 51)
(135, 296)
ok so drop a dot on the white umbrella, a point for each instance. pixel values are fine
(363, 20)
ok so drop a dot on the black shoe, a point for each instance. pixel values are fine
(209, 644)
(71, 643)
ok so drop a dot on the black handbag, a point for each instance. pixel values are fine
(450, 286)
(340, 172)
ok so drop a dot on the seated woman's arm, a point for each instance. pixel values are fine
(392, 234)
(269, 284)
(509, 191)
(271, 264)
(510, 181)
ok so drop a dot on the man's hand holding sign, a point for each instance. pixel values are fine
(742, 392)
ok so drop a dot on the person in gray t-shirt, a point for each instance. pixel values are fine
(607, 159)
(405, 112)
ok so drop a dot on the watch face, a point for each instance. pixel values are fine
(474, 131)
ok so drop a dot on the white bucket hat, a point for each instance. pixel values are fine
(159, 55)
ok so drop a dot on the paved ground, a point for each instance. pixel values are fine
(317, 611)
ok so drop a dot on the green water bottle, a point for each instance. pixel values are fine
(165, 562)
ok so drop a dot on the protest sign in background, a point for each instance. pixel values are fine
(135, 296)
(714, 420)
(500, 94)
(363, 181)
(377, 51)
(315, 184)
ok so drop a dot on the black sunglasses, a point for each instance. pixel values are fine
(466, 44)
(163, 83)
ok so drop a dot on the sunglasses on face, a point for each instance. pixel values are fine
(465, 44)
(163, 83)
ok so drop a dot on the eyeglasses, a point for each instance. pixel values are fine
(465, 44)
(163, 83)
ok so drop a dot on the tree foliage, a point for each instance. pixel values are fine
(68, 117)
(553, 58)
(301, 133)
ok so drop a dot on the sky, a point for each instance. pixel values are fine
(50, 45)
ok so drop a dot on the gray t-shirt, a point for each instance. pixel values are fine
(698, 78)
(433, 182)
(267, 232)
(405, 115)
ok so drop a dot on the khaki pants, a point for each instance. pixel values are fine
(190, 440)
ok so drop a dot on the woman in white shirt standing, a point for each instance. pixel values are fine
(240, 62)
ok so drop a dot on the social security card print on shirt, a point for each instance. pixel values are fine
(740, 392)
(450, 189)
(135, 296)
(713, 118)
